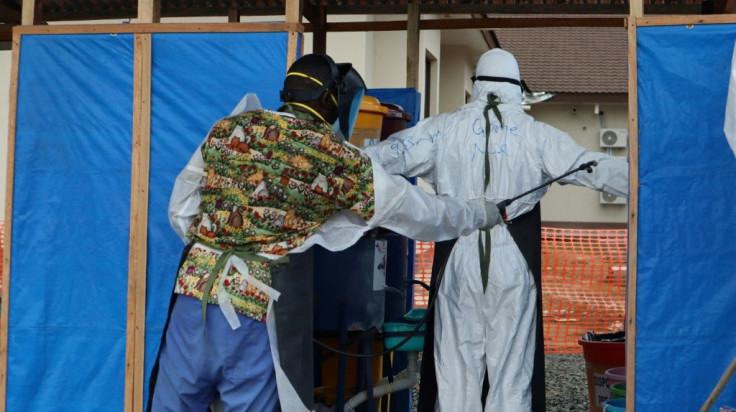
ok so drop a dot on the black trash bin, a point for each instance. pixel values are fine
(395, 121)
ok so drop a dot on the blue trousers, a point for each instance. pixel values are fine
(236, 364)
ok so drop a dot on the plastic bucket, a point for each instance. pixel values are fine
(615, 405)
(395, 332)
(367, 130)
(615, 375)
(618, 390)
(599, 357)
(395, 121)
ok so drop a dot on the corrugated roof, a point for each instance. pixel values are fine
(570, 59)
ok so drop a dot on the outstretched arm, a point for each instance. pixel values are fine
(561, 154)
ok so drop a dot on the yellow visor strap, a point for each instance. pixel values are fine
(310, 110)
(306, 76)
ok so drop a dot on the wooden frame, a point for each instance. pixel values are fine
(633, 23)
(142, 28)
(8, 222)
(137, 258)
(633, 144)
(149, 13)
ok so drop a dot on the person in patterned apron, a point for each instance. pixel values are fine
(263, 187)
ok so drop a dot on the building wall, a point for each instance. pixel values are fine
(571, 203)
(456, 68)
(380, 57)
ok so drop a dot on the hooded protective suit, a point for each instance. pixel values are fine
(495, 329)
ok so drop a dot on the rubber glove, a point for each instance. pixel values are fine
(493, 215)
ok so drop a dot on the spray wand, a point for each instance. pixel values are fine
(588, 167)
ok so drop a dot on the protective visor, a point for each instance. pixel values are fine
(351, 89)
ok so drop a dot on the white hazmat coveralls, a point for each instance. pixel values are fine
(496, 329)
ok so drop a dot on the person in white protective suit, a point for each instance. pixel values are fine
(262, 188)
(486, 303)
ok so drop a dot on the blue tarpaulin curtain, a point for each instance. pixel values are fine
(196, 80)
(71, 197)
(71, 212)
(686, 271)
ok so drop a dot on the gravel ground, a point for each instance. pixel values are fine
(567, 388)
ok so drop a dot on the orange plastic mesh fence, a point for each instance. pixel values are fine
(583, 283)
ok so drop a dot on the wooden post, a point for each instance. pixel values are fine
(633, 144)
(636, 8)
(5, 306)
(149, 11)
(412, 46)
(319, 32)
(38, 13)
(293, 14)
(233, 15)
(138, 240)
(28, 12)
(729, 7)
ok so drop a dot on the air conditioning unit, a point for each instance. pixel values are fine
(608, 199)
(614, 137)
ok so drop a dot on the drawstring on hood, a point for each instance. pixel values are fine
(496, 79)
(484, 251)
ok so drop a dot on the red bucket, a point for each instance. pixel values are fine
(599, 357)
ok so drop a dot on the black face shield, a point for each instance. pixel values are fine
(345, 85)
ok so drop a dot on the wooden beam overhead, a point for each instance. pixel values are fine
(6, 32)
(729, 7)
(58, 10)
(481, 8)
(159, 28)
(683, 20)
(482, 23)
(9, 14)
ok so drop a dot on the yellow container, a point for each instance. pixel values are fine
(368, 125)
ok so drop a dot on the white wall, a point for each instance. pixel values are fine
(430, 42)
(457, 67)
(352, 47)
(571, 203)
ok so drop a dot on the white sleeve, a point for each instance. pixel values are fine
(410, 211)
(561, 154)
(185, 197)
(410, 152)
